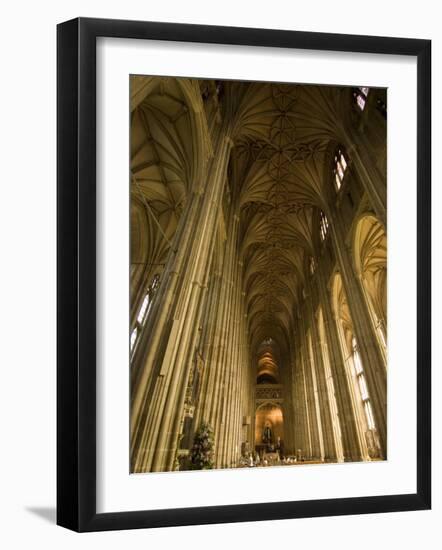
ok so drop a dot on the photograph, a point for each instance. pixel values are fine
(219, 319)
(258, 274)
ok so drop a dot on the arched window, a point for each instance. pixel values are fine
(360, 94)
(323, 225)
(360, 377)
(339, 168)
(133, 337)
(144, 311)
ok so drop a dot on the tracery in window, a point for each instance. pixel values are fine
(143, 312)
(323, 225)
(360, 95)
(145, 306)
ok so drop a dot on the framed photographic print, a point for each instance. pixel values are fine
(238, 339)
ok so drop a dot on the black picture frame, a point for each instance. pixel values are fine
(76, 274)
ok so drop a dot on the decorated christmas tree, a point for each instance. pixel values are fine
(202, 453)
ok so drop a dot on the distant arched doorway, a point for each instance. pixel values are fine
(269, 427)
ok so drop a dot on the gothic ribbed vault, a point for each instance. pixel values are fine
(230, 182)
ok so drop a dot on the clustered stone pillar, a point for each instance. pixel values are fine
(301, 423)
(288, 406)
(315, 427)
(372, 177)
(224, 397)
(329, 444)
(158, 384)
(372, 357)
(228, 348)
(308, 430)
(350, 435)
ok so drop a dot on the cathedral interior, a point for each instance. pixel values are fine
(258, 273)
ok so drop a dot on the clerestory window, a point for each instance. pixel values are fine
(143, 312)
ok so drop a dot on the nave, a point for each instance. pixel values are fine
(258, 275)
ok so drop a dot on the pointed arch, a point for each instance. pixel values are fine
(370, 259)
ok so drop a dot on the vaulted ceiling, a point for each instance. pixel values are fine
(278, 169)
(162, 149)
(371, 262)
(281, 159)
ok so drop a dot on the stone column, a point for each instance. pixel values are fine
(156, 385)
(363, 162)
(309, 443)
(301, 427)
(251, 391)
(371, 354)
(230, 358)
(324, 405)
(298, 439)
(189, 359)
(205, 393)
(243, 390)
(217, 364)
(226, 436)
(288, 406)
(234, 420)
(314, 420)
(350, 434)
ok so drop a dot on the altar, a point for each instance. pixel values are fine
(271, 458)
